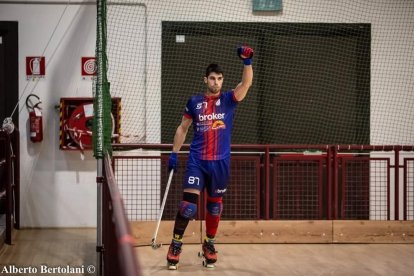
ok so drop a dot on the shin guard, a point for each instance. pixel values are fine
(214, 209)
(187, 210)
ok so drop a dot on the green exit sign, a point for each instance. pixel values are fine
(267, 5)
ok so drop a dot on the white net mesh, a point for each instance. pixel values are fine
(325, 71)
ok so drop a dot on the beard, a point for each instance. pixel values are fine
(214, 90)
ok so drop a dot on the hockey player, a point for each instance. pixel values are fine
(208, 165)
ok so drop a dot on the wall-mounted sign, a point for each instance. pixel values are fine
(89, 67)
(35, 67)
(267, 5)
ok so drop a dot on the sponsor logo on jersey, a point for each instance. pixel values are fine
(218, 102)
(218, 191)
(210, 117)
(203, 128)
(218, 124)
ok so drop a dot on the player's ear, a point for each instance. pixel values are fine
(205, 80)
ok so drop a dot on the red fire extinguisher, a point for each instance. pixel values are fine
(35, 119)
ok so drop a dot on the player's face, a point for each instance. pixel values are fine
(214, 82)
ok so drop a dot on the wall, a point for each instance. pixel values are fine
(59, 190)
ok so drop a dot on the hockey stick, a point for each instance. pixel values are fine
(154, 245)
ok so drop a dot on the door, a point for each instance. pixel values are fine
(9, 70)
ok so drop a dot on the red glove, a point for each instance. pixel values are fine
(246, 54)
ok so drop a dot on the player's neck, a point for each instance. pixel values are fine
(209, 94)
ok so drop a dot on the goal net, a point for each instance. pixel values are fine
(331, 72)
(325, 72)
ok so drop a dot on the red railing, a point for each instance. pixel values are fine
(297, 186)
(408, 189)
(283, 182)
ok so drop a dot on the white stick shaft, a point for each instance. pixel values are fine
(162, 206)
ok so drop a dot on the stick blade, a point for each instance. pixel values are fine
(154, 245)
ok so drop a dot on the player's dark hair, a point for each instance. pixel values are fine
(213, 68)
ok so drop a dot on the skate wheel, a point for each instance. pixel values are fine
(207, 265)
(172, 266)
(200, 254)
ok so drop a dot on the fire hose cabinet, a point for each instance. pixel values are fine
(76, 122)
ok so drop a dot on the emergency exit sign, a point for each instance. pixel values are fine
(267, 5)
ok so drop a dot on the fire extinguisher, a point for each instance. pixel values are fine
(35, 119)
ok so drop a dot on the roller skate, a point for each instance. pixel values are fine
(209, 254)
(173, 256)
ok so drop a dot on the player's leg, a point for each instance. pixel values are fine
(214, 209)
(193, 183)
(220, 172)
(186, 211)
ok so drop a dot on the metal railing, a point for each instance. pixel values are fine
(281, 182)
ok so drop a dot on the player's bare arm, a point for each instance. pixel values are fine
(181, 133)
(242, 88)
(246, 54)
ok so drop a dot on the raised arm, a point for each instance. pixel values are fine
(246, 54)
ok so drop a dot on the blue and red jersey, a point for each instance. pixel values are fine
(212, 123)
